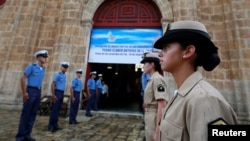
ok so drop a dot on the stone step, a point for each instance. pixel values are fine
(103, 113)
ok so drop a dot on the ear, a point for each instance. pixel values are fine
(189, 52)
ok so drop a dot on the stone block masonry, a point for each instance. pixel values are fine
(63, 27)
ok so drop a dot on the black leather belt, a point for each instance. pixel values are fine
(59, 90)
(32, 87)
(150, 106)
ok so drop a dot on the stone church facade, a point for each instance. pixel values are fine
(63, 27)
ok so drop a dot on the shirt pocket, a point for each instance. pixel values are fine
(36, 72)
(78, 83)
(61, 78)
(170, 131)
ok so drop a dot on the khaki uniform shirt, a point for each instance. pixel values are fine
(195, 105)
(155, 89)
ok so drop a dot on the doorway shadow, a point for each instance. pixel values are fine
(124, 86)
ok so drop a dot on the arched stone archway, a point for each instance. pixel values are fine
(91, 7)
(91, 15)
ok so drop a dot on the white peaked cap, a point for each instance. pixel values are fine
(79, 70)
(65, 63)
(93, 72)
(41, 52)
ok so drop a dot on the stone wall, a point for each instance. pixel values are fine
(31, 25)
(63, 27)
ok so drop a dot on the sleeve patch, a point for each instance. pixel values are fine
(160, 88)
(219, 121)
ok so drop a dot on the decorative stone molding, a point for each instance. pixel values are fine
(87, 22)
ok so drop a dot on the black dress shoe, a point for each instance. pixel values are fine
(58, 128)
(73, 122)
(88, 115)
(29, 139)
(52, 130)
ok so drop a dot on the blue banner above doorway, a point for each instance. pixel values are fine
(122, 46)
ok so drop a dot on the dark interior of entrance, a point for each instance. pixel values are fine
(124, 84)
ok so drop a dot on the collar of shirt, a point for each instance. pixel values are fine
(175, 92)
(189, 83)
(37, 65)
(153, 75)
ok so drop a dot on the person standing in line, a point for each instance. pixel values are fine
(91, 91)
(57, 90)
(34, 74)
(98, 91)
(144, 80)
(75, 90)
(155, 96)
(104, 95)
(186, 45)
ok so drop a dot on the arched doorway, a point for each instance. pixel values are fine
(116, 25)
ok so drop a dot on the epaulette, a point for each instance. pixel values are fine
(218, 121)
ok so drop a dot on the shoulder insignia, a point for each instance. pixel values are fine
(160, 88)
(218, 121)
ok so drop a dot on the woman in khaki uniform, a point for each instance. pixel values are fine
(155, 96)
(186, 45)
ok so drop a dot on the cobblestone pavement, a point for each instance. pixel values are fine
(101, 127)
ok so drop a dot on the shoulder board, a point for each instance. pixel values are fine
(218, 121)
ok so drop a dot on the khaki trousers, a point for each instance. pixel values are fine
(150, 123)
